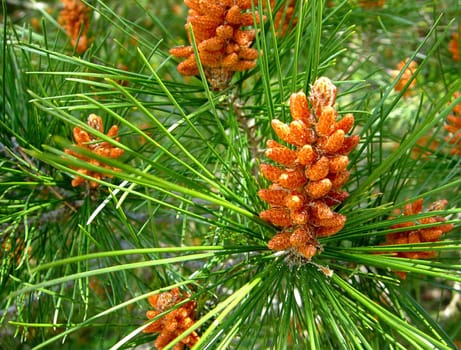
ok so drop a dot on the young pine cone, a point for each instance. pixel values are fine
(173, 323)
(453, 46)
(308, 182)
(414, 235)
(405, 78)
(223, 46)
(453, 126)
(90, 143)
(284, 19)
(74, 19)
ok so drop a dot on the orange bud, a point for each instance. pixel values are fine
(281, 129)
(113, 131)
(326, 122)
(306, 155)
(321, 210)
(445, 227)
(204, 27)
(277, 216)
(244, 65)
(334, 142)
(95, 122)
(294, 201)
(230, 60)
(318, 189)
(349, 144)
(81, 137)
(346, 123)
(188, 67)
(212, 44)
(414, 207)
(244, 38)
(300, 216)
(211, 59)
(300, 134)
(182, 51)
(456, 121)
(319, 170)
(339, 179)
(430, 234)
(211, 8)
(327, 231)
(281, 241)
(273, 197)
(414, 237)
(248, 53)
(234, 15)
(299, 108)
(225, 31)
(270, 172)
(323, 93)
(307, 251)
(280, 154)
(338, 164)
(292, 179)
(301, 237)
(193, 4)
(335, 221)
(438, 205)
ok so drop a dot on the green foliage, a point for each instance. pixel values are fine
(77, 264)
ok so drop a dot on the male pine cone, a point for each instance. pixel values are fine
(223, 38)
(308, 183)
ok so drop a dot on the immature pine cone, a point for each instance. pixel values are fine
(309, 182)
(453, 126)
(415, 235)
(74, 19)
(283, 19)
(223, 46)
(173, 323)
(406, 76)
(424, 147)
(89, 142)
(453, 46)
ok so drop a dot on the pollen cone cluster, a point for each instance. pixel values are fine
(94, 145)
(307, 183)
(406, 76)
(453, 46)
(424, 147)
(415, 235)
(284, 18)
(453, 126)
(74, 19)
(223, 45)
(173, 323)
